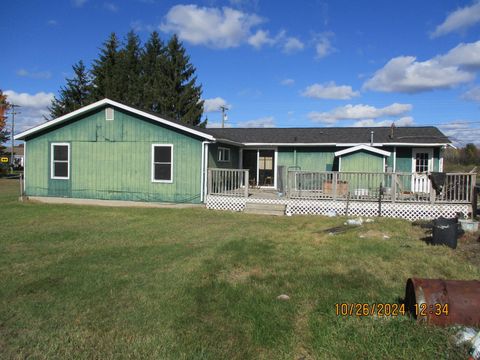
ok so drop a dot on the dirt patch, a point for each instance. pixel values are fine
(374, 234)
(240, 275)
(469, 247)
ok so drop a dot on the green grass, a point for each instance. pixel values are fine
(111, 283)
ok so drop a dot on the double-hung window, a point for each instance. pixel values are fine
(162, 163)
(60, 161)
(223, 154)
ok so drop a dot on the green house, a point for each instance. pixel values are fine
(108, 150)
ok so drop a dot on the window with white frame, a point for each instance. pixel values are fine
(223, 154)
(60, 160)
(162, 163)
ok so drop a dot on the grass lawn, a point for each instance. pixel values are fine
(111, 283)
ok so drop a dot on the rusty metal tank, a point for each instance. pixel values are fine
(425, 299)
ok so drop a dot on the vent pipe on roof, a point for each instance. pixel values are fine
(371, 138)
(392, 130)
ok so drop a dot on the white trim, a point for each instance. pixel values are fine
(258, 167)
(153, 163)
(394, 159)
(24, 166)
(52, 176)
(440, 163)
(107, 118)
(348, 144)
(103, 102)
(384, 165)
(225, 151)
(202, 171)
(339, 164)
(362, 147)
(275, 176)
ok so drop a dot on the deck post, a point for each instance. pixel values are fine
(473, 194)
(394, 187)
(334, 184)
(432, 194)
(246, 183)
(209, 188)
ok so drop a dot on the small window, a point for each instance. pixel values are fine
(109, 113)
(162, 163)
(223, 154)
(60, 157)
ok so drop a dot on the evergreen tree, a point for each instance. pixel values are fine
(182, 100)
(152, 74)
(73, 96)
(4, 134)
(105, 71)
(128, 71)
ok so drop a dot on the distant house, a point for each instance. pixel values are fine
(108, 150)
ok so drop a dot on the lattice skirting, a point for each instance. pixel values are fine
(409, 211)
(231, 203)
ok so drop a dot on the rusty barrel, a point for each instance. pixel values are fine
(425, 299)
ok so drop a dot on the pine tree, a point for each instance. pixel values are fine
(73, 96)
(128, 71)
(182, 100)
(106, 71)
(4, 134)
(152, 74)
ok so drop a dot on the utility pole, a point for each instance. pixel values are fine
(224, 108)
(13, 112)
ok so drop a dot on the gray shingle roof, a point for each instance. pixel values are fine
(417, 135)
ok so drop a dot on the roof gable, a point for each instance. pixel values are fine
(362, 147)
(106, 102)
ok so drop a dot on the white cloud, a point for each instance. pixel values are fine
(323, 45)
(459, 19)
(78, 3)
(472, 95)
(287, 82)
(359, 112)
(34, 74)
(217, 125)
(292, 44)
(330, 91)
(461, 132)
(213, 104)
(406, 74)
(403, 121)
(33, 108)
(260, 38)
(263, 122)
(110, 7)
(217, 28)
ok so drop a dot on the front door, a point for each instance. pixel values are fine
(249, 161)
(422, 164)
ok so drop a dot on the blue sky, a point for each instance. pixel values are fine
(286, 64)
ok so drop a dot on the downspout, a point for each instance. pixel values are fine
(203, 179)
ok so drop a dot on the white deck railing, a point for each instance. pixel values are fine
(228, 182)
(402, 187)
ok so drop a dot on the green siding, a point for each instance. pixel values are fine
(213, 162)
(364, 161)
(309, 159)
(404, 159)
(112, 160)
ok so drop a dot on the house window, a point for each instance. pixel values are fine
(421, 162)
(60, 161)
(223, 154)
(162, 163)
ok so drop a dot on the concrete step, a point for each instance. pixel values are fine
(265, 209)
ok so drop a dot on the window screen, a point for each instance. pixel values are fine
(60, 161)
(162, 163)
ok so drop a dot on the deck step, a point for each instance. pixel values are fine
(265, 209)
